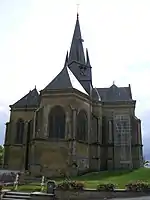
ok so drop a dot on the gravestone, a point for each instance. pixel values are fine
(42, 183)
(51, 187)
(16, 182)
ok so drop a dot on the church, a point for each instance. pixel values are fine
(71, 126)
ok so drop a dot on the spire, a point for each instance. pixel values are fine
(76, 50)
(87, 58)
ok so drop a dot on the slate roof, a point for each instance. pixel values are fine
(65, 80)
(29, 100)
(115, 93)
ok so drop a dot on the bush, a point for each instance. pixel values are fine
(138, 186)
(77, 185)
(70, 185)
(64, 185)
(106, 187)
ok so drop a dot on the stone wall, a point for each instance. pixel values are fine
(49, 158)
(82, 156)
(16, 155)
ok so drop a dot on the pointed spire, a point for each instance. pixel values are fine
(87, 58)
(76, 50)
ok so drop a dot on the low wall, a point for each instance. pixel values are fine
(96, 195)
(81, 195)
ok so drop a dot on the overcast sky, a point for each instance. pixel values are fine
(35, 35)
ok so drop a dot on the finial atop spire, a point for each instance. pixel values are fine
(35, 86)
(113, 82)
(78, 10)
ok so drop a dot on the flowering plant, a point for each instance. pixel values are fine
(138, 186)
(106, 187)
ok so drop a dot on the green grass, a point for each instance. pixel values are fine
(91, 180)
(120, 178)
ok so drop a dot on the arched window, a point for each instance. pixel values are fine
(20, 131)
(82, 126)
(57, 122)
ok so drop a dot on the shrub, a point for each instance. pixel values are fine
(70, 185)
(106, 187)
(64, 185)
(76, 185)
(138, 186)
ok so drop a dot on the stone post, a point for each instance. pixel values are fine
(110, 131)
(74, 124)
(45, 122)
(67, 126)
(68, 136)
(99, 142)
(32, 157)
(34, 122)
(71, 134)
(13, 130)
(24, 147)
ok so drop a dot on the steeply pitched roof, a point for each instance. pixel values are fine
(65, 80)
(76, 50)
(115, 93)
(29, 100)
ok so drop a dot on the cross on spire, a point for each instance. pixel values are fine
(78, 8)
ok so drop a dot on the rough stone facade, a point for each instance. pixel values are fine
(73, 127)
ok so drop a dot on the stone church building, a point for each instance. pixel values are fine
(72, 126)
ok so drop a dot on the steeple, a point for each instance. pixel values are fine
(76, 50)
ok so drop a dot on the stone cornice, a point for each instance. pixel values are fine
(64, 92)
(23, 109)
(137, 145)
(117, 104)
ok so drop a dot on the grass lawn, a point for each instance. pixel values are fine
(120, 178)
(91, 180)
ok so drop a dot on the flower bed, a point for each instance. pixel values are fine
(138, 186)
(71, 185)
(106, 187)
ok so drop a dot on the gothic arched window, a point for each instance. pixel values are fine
(82, 126)
(20, 131)
(56, 123)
